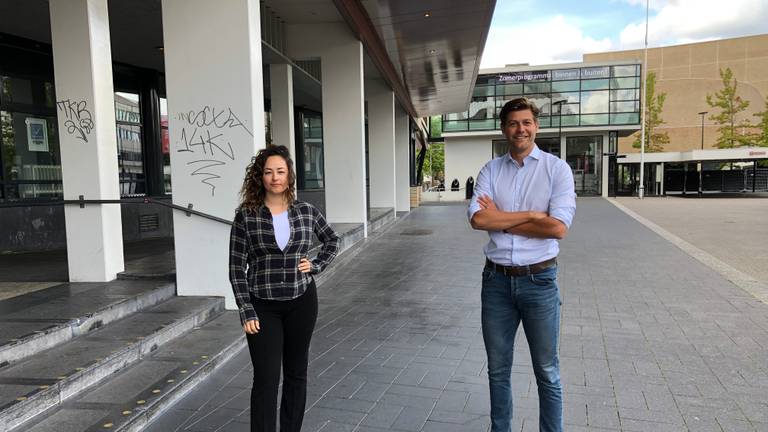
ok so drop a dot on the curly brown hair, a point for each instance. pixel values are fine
(253, 192)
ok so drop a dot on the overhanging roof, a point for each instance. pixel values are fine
(734, 154)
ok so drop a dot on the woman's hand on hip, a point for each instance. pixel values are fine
(304, 265)
(251, 326)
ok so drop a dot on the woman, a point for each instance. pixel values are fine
(274, 289)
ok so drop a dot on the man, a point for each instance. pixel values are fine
(526, 201)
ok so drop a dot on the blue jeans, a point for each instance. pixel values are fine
(534, 300)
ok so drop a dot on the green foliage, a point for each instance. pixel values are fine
(730, 105)
(654, 141)
(434, 161)
(761, 137)
(8, 138)
(436, 126)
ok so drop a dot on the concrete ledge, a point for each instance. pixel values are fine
(142, 418)
(52, 336)
(26, 407)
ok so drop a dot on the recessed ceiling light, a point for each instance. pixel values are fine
(427, 14)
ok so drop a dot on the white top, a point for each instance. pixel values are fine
(282, 229)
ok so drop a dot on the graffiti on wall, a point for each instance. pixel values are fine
(205, 136)
(79, 121)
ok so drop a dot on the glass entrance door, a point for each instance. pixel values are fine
(583, 155)
(549, 145)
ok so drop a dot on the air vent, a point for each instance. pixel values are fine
(149, 222)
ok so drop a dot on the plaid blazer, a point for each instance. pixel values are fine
(259, 268)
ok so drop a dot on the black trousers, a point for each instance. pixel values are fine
(286, 329)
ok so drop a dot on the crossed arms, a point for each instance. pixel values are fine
(524, 223)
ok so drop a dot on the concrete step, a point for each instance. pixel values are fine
(38, 321)
(137, 395)
(44, 381)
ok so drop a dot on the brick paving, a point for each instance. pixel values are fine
(734, 230)
(652, 340)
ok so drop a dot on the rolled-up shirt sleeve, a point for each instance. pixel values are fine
(562, 204)
(330, 240)
(238, 265)
(482, 187)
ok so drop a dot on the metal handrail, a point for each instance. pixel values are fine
(81, 201)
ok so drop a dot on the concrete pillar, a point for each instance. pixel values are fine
(563, 145)
(381, 145)
(215, 92)
(341, 57)
(82, 60)
(402, 161)
(604, 168)
(281, 99)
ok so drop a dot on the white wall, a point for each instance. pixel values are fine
(465, 156)
(86, 123)
(341, 58)
(216, 124)
(381, 143)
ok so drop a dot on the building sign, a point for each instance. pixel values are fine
(524, 76)
(565, 74)
(37, 134)
(758, 153)
(596, 72)
(555, 75)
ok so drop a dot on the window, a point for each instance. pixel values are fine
(514, 90)
(623, 71)
(30, 154)
(542, 102)
(130, 163)
(480, 91)
(619, 83)
(599, 84)
(542, 87)
(630, 106)
(310, 169)
(564, 86)
(482, 108)
(624, 95)
(166, 145)
(594, 102)
(30, 159)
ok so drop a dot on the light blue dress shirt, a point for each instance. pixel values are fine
(544, 183)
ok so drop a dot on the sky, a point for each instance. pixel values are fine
(560, 31)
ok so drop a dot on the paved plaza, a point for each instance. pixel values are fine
(733, 230)
(652, 339)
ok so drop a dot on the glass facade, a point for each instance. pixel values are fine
(594, 96)
(30, 160)
(129, 151)
(165, 143)
(309, 149)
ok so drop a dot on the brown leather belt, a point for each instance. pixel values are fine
(521, 270)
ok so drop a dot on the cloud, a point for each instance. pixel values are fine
(684, 21)
(548, 41)
(654, 5)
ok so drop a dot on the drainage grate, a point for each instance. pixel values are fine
(149, 222)
(416, 232)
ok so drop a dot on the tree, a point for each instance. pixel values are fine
(730, 105)
(761, 137)
(654, 141)
(8, 140)
(436, 127)
(434, 161)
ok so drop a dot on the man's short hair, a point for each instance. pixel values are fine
(519, 104)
